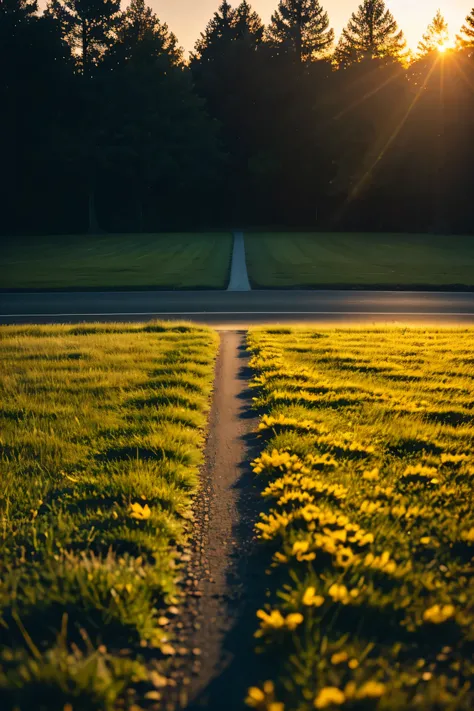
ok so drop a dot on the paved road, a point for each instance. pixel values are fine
(233, 309)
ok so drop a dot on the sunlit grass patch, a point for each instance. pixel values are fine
(368, 517)
(101, 439)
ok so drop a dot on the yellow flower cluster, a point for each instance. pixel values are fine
(381, 562)
(283, 461)
(274, 620)
(331, 696)
(269, 422)
(366, 559)
(468, 535)
(339, 593)
(311, 599)
(439, 614)
(264, 699)
(420, 474)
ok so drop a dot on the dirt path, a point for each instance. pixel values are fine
(226, 572)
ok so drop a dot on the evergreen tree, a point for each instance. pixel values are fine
(372, 33)
(141, 34)
(87, 25)
(301, 27)
(246, 24)
(219, 31)
(35, 78)
(436, 36)
(466, 36)
(159, 139)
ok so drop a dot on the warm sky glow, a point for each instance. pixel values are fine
(187, 18)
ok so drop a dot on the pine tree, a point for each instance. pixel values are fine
(246, 24)
(436, 36)
(371, 33)
(219, 30)
(87, 25)
(140, 34)
(301, 27)
(466, 36)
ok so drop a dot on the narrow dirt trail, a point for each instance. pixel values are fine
(227, 574)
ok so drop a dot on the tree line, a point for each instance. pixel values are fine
(106, 126)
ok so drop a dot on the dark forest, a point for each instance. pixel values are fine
(106, 126)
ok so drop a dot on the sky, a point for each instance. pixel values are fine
(188, 18)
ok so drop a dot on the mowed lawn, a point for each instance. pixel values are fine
(101, 439)
(367, 475)
(166, 261)
(324, 260)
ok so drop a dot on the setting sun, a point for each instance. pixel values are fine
(445, 47)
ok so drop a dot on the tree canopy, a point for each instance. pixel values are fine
(88, 26)
(301, 28)
(372, 33)
(436, 36)
(106, 125)
(466, 36)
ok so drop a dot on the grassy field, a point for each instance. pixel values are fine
(167, 261)
(367, 465)
(359, 260)
(101, 438)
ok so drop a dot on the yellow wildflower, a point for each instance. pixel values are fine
(439, 613)
(339, 657)
(371, 690)
(140, 513)
(338, 592)
(371, 475)
(293, 620)
(468, 535)
(255, 697)
(344, 556)
(311, 599)
(300, 549)
(274, 619)
(329, 696)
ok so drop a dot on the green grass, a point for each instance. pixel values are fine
(102, 432)
(167, 261)
(324, 260)
(367, 521)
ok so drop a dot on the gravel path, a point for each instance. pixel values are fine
(226, 569)
(239, 280)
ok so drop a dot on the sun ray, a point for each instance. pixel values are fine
(394, 135)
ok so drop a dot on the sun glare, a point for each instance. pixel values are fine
(445, 46)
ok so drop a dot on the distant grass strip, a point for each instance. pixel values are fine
(102, 431)
(338, 260)
(164, 261)
(368, 466)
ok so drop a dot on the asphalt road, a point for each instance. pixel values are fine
(234, 309)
